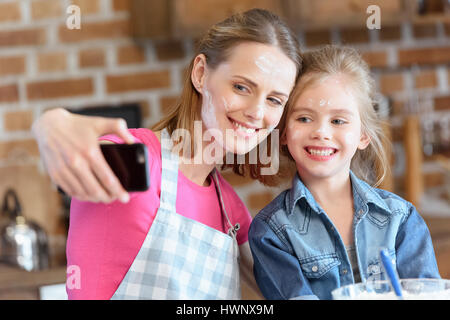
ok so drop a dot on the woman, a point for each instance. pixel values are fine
(239, 82)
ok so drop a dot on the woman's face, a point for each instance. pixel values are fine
(243, 98)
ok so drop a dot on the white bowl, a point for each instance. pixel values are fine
(412, 289)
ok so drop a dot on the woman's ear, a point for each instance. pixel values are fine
(198, 72)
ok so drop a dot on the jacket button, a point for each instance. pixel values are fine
(375, 269)
(344, 271)
(315, 268)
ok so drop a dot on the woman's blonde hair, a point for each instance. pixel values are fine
(370, 164)
(256, 25)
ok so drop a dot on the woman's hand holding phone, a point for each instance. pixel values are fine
(69, 147)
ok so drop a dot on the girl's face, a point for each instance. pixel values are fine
(324, 130)
(243, 98)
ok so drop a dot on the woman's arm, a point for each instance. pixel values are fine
(69, 147)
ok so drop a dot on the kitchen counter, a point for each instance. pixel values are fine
(19, 284)
(439, 227)
(16, 283)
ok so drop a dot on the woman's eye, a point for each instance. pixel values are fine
(240, 87)
(338, 121)
(275, 101)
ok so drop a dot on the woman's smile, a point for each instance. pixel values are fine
(241, 96)
(244, 129)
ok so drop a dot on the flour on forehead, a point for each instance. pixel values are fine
(264, 64)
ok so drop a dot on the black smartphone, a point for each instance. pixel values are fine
(129, 164)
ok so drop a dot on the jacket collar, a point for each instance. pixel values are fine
(363, 194)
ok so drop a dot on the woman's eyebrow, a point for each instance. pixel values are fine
(254, 84)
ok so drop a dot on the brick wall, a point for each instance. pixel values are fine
(44, 65)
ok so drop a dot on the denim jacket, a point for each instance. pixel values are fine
(298, 253)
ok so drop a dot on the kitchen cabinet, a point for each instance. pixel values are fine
(195, 16)
(180, 18)
(319, 14)
(190, 18)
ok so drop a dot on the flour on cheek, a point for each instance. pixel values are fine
(208, 111)
(349, 137)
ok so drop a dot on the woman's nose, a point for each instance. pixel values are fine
(255, 112)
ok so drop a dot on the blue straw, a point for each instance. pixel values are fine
(392, 274)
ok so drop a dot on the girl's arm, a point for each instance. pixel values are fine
(70, 151)
(278, 272)
(414, 249)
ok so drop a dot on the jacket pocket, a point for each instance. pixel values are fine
(315, 267)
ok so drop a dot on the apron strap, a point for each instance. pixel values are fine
(169, 181)
(169, 173)
(232, 230)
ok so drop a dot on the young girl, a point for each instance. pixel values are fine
(178, 240)
(327, 230)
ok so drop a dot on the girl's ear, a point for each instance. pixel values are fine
(198, 72)
(363, 141)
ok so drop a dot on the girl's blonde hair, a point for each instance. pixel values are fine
(370, 164)
(256, 25)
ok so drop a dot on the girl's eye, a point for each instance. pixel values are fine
(304, 119)
(338, 121)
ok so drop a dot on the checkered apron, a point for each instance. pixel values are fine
(180, 257)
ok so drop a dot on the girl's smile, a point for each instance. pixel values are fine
(324, 130)
(320, 153)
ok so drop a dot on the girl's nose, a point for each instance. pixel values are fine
(321, 131)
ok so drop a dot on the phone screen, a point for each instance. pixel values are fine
(129, 164)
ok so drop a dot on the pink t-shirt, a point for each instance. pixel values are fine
(104, 239)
